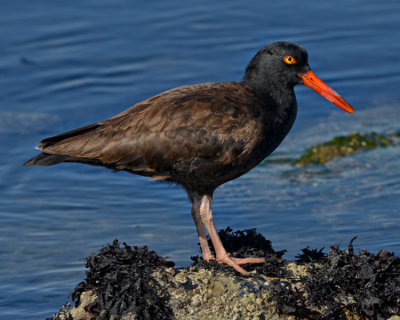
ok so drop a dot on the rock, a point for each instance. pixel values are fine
(134, 283)
(342, 146)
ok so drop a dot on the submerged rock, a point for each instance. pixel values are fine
(342, 146)
(134, 283)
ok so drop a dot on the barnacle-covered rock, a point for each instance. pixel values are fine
(135, 284)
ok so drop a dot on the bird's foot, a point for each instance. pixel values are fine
(236, 263)
(242, 261)
(208, 257)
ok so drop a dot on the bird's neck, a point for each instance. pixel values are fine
(273, 93)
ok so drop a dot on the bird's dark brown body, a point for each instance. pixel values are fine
(200, 136)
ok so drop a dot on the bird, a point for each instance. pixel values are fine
(200, 136)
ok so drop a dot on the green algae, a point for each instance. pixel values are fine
(343, 146)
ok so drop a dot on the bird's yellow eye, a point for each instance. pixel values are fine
(289, 60)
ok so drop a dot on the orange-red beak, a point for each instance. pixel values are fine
(312, 81)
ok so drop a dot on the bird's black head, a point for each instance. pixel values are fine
(279, 64)
(278, 67)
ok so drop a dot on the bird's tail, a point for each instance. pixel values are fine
(64, 147)
(46, 159)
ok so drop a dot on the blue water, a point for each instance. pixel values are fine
(68, 64)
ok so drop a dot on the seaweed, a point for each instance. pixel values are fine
(342, 146)
(312, 255)
(121, 277)
(291, 301)
(339, 146)
(363, 283)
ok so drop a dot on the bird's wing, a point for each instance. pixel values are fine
(203, 121)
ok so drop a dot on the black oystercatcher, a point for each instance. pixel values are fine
(200, 136)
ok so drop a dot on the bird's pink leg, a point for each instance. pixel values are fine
(205, 249)
(222, 255)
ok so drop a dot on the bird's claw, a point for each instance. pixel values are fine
(237, 262)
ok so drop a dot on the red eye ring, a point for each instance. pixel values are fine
(289, 60)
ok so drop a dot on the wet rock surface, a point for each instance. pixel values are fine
(341, 146)
(134, 283)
